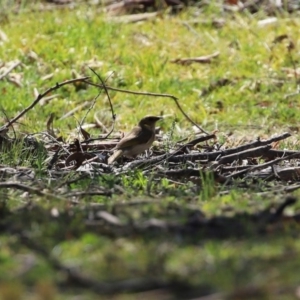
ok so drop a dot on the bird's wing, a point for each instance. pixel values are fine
(135, 137)
(115, 156)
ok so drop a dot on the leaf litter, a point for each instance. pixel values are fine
(194, 162)
(190, 162)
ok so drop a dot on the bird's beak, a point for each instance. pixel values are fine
(167, 116)
(155, 119)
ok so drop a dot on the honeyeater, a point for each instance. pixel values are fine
(138, 140)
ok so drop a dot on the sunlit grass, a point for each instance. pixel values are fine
(140, 54)
(138, 57)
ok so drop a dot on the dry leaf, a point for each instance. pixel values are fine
(201, 59)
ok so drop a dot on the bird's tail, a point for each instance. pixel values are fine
(115, 156)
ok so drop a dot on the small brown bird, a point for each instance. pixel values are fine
(139, 139)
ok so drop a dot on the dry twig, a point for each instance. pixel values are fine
(39, 98)
(153, 95)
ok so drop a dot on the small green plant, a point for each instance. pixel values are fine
(208, 188)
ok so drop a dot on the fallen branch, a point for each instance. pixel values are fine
(255, 152)
(272, 153)
(258, 143)
(263, 166)
(199, 140)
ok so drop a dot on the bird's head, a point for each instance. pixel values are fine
(149, 121)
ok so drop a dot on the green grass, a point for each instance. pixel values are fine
(140, 54)
(243, 254)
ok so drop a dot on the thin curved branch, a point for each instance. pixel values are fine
(153, 95)
(39, 98)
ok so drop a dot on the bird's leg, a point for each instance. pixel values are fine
(148, 153)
